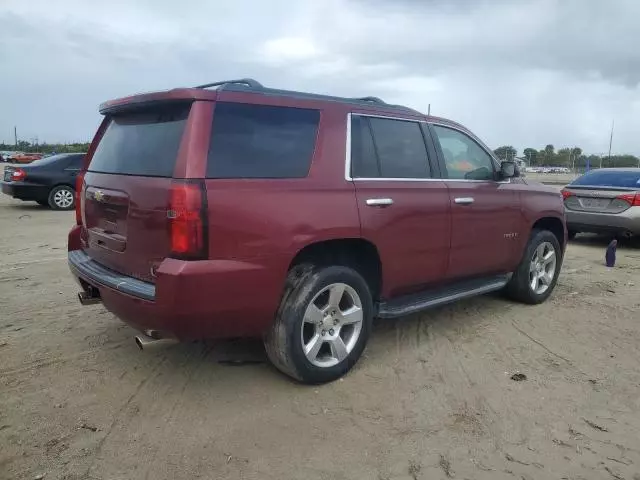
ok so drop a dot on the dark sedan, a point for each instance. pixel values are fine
(49, 181)
(604, 201)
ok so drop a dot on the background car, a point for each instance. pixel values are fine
(50, 181)
(606, 200)
(26, 157)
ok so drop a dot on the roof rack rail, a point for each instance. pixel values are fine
(409, 109)
(249, 82)
(379, 101)
(372, 100)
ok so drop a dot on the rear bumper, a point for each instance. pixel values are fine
(625, 222)
(190, 300)
(82, 266)
(25, 191)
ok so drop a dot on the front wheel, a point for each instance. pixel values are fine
(322, 325)
(537, 275)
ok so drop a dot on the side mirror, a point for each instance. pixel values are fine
(508, 170)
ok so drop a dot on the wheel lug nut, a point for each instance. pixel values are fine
(331, 332)
(324, 332)
(335, 322)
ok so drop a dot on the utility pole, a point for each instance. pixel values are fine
(429, 110)
(571, 160)
(15, 136)
(610, 142)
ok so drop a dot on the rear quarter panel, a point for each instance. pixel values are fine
(252, 218)
(266, 222)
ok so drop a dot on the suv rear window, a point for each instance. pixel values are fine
(261, 141)
(609, 178)
(142, 143)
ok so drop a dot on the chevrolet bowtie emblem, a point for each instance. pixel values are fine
(98, 195)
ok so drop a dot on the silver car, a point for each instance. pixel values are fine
(604, 201)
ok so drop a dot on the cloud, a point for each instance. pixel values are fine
(523, 72)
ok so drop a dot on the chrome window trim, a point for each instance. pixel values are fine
(347, 170)
(384, 117)
(347, 167)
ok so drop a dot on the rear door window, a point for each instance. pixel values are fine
(364, 161)
(261, 141)
(400, 148)
(141, 143)
(75, 162)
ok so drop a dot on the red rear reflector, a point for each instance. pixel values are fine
(18, 175)
(79, 197)
(633, 199)
(186, 215)
(566, 194)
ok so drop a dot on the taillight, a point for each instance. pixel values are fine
(18, 175)
(633, 199)
(566, 194)
(187, 220)
(79, 197)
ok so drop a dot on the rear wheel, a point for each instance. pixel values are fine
(322, 325)
(62, 197)
(537, 274)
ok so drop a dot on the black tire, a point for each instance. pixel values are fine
(56, 203)
(519, 287)
(572, 234)
(284, 340)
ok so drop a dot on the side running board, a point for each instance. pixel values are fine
(417, 302)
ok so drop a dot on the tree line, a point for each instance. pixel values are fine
(566, 157)
(548, 156)
(27, 147)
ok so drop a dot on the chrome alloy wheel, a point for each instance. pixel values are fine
(63, 198)
(332, 324)
(542, 268)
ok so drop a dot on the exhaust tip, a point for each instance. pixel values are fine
(146, 342)
(89, 298)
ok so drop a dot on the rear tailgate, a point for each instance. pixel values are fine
(127, 187)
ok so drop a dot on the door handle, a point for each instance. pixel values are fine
(464, 200)
(379, 202)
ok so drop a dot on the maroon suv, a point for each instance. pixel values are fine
(235, 210)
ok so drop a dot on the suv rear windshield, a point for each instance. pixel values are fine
(143, 143)
(609, 178)
(261, 141)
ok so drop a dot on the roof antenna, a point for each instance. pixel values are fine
(429, 110)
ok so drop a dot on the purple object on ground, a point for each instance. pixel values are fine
(610, 256)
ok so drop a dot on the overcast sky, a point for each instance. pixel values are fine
(521, 72)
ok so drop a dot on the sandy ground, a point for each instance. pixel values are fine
(432, 398)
